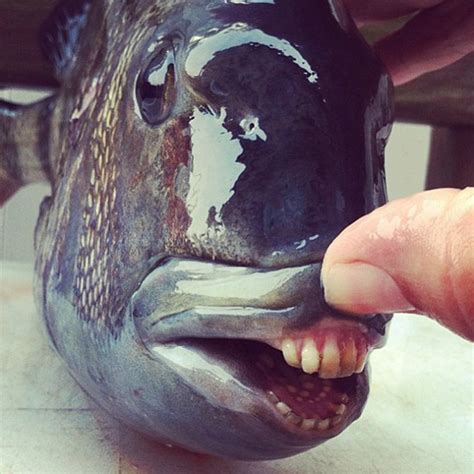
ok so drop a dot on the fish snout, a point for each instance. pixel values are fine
(284, 147)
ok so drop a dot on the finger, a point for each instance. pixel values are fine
(414, 254)
(433, 39)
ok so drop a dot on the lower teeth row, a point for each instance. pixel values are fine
(308, 423)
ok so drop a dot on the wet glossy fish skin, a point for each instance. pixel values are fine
(295, 128)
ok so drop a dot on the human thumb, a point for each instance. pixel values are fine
(411, 255)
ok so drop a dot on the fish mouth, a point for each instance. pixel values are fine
(260, 340)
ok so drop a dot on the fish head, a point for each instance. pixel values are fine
(226, 146)
(272, 129)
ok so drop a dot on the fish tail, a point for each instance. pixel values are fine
(24, 146)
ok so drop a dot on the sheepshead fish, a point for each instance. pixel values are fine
(202, 156)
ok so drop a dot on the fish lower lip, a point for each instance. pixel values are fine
(300, 403)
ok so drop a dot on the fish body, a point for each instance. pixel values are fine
(202, 156)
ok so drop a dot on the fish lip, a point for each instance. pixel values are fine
(179, 286)
(184, 298)
(255, 398)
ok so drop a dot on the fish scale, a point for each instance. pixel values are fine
(97, 246)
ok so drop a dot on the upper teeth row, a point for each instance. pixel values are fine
(331, 360)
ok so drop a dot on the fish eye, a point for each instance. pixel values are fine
(156, 86)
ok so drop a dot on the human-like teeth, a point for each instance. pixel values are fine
(290, 353)
(294, 419)
(336, 420)
(323, 425)
(344, 398)
(348, 359)
(313, 421)
(339, 409)
(308, 424)
(273, 398)
(361, 360)
(325, 355)
(310, 356)
(330, 361)
(283, 408)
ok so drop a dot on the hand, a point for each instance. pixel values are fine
(412, 255)
(439, 34)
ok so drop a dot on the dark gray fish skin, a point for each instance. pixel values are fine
(244, 133)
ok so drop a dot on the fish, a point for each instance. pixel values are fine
(202, 156)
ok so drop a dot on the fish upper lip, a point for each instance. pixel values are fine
(184, 298)
(180, 297)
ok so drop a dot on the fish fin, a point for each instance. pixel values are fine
(10, 176)
(24, 146)
(60, 33)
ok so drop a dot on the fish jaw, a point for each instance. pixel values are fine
(259, 341)
(279, 410)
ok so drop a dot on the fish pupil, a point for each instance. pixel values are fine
(156, 88)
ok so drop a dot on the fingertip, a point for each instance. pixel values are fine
(412, 255)
(363, 289)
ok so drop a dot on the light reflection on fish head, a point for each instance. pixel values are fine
(281, 118)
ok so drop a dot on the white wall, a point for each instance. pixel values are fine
(18, 216)
(407, 159)
(17, 222)
(406, 166)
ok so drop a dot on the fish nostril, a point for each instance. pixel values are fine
(218, 89)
